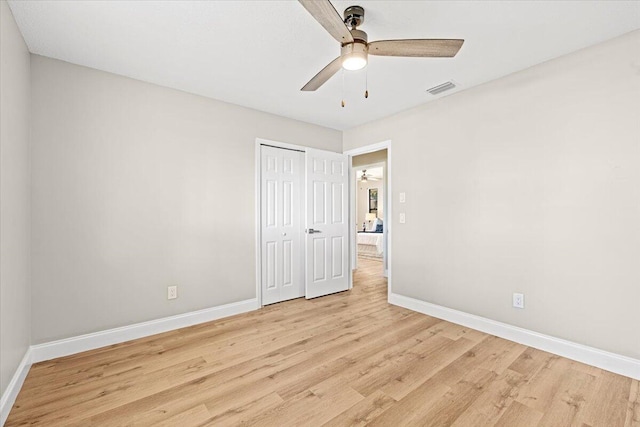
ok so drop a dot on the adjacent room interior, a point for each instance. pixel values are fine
(319, 212)
(370, 201)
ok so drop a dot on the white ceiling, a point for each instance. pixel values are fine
(260, 53)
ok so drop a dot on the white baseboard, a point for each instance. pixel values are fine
(68, 346)
(10, 394)
(612, 362)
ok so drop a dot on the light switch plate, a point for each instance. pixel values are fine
(403, 219)
(403, 197)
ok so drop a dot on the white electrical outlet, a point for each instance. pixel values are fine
(172, 292)
(518, 300)
(403, 219)
(403, 197)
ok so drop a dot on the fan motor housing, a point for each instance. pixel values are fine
(359, 36)
(357, 48)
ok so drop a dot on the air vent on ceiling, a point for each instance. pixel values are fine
(441, 88)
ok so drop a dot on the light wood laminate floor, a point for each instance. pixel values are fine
(345, 359)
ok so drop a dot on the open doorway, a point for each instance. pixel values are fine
(370, 200)
(370, 212)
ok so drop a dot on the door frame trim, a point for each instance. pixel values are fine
(258, 200)
(388, 209)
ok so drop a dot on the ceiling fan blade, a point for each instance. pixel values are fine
(324, 12)
(431, 48)
(325, 74)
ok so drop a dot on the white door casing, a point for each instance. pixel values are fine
(282, 274)
(327, 223)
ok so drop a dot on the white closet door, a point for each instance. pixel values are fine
(327, 223)
(281, 228)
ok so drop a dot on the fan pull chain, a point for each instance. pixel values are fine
(366, 83)
(342, 88)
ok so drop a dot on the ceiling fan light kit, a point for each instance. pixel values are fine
(354, 56)
(355, 48)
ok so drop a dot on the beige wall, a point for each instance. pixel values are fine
(370, 158)
(137, 187)
(531, 184)
(15, 313)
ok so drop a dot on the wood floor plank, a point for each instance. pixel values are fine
(364, 411)
(431, 361)
(345, 359)
(519, 415)
(215, 390)
(369, 374)
(413, 408)
(453, 331)
(193, 416)
(530, 362)
(573, 395)
(540, 390)
(633, 409)
(492, 354)
(609, 406)
(489, 407)
(241, 414)
(459, 398)
(315, 406)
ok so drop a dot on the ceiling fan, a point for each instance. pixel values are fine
(355, 47)
(364, 177)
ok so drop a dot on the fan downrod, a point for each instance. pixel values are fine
(354, 16)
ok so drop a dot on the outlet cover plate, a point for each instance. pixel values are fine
(518, 300)
(172, 292)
